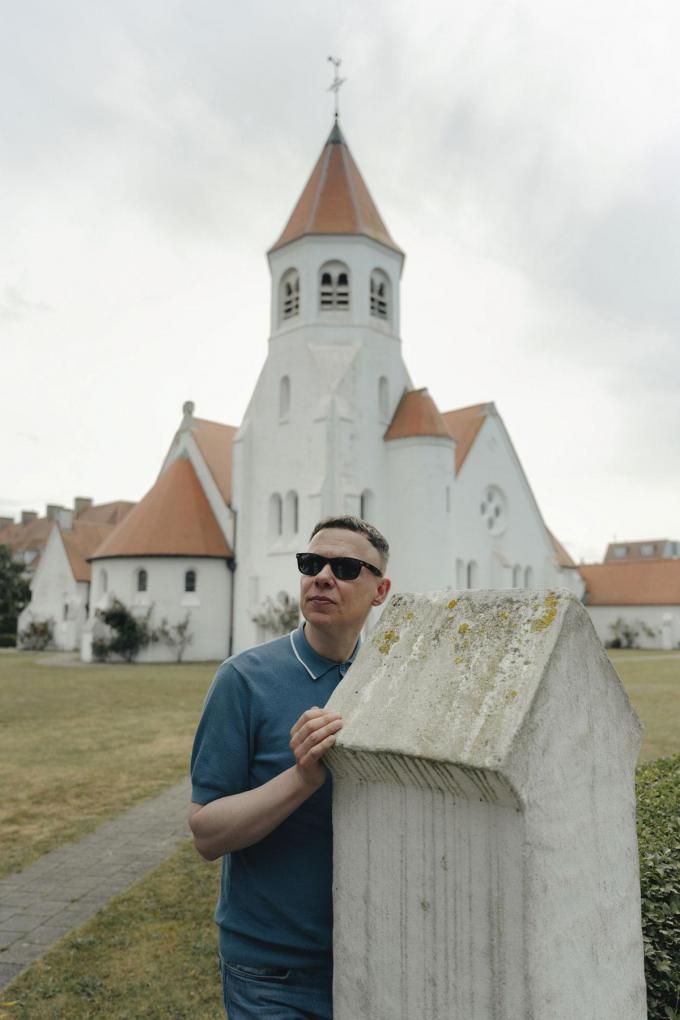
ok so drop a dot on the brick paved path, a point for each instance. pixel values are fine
(67, 887)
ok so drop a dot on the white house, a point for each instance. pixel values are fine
(640, 594)
(59, 565)
(333, 426)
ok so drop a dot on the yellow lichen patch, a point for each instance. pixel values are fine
(458, 660)
(513, 694)
(389, 638)
(452, 604)
(409, 616)
(549, 614)
(504, 615)
(464, 628)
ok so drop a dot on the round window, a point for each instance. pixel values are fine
(493, 510)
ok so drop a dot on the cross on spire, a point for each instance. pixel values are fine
(336, 83)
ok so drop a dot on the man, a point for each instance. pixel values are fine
(261, 794)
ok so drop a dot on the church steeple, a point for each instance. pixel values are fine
(335, 200)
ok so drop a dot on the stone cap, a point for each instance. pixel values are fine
(452, 676)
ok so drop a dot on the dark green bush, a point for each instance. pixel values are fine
(658, 813)
(37, 635)
(129, 633)
(8, 640)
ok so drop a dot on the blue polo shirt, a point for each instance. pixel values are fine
(275, 903)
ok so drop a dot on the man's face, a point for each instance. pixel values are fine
(329, 603)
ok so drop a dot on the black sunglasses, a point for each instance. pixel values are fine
(345, 568)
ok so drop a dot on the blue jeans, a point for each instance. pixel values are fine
(276, 993)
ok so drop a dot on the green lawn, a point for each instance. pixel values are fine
(652, 680)
(79, 744)
(150, 955)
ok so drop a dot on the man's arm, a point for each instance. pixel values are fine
(234, 822)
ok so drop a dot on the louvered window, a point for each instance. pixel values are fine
(334, 287)
(380, 294)
(290, 294)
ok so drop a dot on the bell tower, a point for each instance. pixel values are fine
(311, 441)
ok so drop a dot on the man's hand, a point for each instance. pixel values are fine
(310, 738)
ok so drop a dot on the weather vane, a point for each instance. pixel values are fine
(337, 82)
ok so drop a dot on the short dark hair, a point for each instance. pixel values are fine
(350, 523)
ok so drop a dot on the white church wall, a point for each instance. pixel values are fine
(315, 423)
(165, 595)
(419, 515)
(57, 596)
(491, 487)
(361, 255)
(662, 621)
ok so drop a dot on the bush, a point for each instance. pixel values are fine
(37, 635)
(177, 636)
(130, 633)
(658, 812)
(279, 615)
(8, 640)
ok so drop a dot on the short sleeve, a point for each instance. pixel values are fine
(221, 751)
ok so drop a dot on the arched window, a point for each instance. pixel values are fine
(528, 577)
(275, 516)
(142, 580)
(103, 581)
(289, 294)
(366, 505)
(383, 397)
(290, 515)
(447, 499)
(334, 287)
(380, 294)
(190, 580)
(516, 576)
(472, 574)
(284, 397)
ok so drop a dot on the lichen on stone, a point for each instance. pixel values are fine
(389, 638)
(550, 603)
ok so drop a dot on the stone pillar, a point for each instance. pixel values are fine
(485, 855)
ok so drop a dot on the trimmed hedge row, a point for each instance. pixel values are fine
(658, 819)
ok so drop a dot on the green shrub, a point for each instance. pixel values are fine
(37, 635)
(8, 640)
(658, 813)
(130, 634)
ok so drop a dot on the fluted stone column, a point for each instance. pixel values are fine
(485, 855)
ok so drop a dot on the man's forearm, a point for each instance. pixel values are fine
(232, 823)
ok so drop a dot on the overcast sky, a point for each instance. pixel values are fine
(526, 155)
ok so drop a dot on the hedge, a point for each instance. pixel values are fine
(658, 815)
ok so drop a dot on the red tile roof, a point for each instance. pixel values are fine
(31, 537)
(335, 200)
(106, 513)
(634, 550)
(173, 519)
(464, 424)
(81, 542)
(636, 583)
(216, 443)
(416, 415)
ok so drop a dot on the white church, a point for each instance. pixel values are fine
(334, 425)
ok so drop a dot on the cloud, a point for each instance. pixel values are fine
(14, 307)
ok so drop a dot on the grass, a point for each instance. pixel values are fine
(652, 680)
(150, 955)
(79, 744)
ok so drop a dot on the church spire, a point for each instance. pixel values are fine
(335, 199)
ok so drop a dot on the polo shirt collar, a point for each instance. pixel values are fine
(315, 664)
